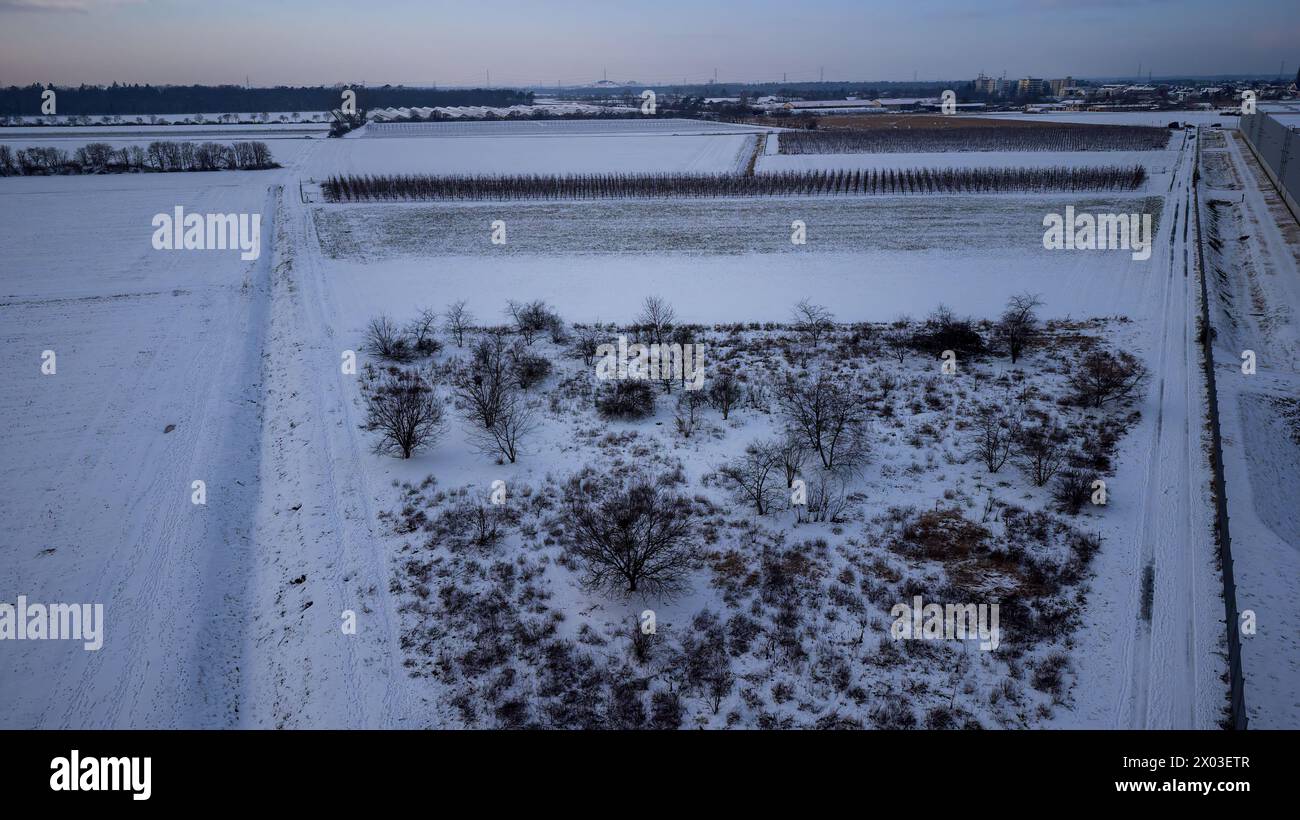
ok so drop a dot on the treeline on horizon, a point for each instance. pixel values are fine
(807, 91)
(123, 100)
(787, 183)
(103, 158)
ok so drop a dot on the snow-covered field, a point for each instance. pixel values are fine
(96, 479)
(1158, 163)
(665, 126)
(596, 152)
(229, 613)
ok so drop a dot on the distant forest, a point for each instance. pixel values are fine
(221, 99)
(807, 91)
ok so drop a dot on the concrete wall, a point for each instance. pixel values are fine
(1278, 150)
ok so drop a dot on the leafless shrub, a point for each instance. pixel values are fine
(1041, 450)
(587, 342)
(898, 342)
(994, 434)
(420, 333)
(828, 419)
(826, 497)
(724, 392)
(625, 399)
(756, 475)
(384, 340)
(1103, 376)
(404, 409)
(793, 453)
(642, 642)
(529, 369)
(531, 319)
(708, 666)
(457, 321)
(1018, 326)
(689, 408)
(512, 422)
(1072, 489)
(632, 535)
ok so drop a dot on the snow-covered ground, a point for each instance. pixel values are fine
(157, 385)
(596, 152)
(229, 613)
(1255, 300)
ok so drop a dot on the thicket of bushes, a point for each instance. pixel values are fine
(102, 158)
(788, 183)
(1064, 137)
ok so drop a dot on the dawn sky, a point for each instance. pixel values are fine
(570, 41)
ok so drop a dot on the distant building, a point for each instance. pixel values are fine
(1059, 86)
(1033, 86)
(992, 86)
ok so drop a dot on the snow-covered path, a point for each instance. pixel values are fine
(1168, 680)
(317, 554)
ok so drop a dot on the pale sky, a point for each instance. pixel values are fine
(520, 42)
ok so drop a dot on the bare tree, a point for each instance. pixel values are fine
(420, 332)
(588, 341)
(994, 437)
(828, 418)
(1041, 450)
(657, 317)
(403, 408)
(887, 383)
(897, 342)
(384, 340)
(484, 382)
(724, 392)
(826, 498)
(708, 666)
(793, 455)
(689, 406)
(458, 321)
(513, 421)
(1018, 326)
(1103, 376)
(756, 475)
(633, 537)
(812, 320)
